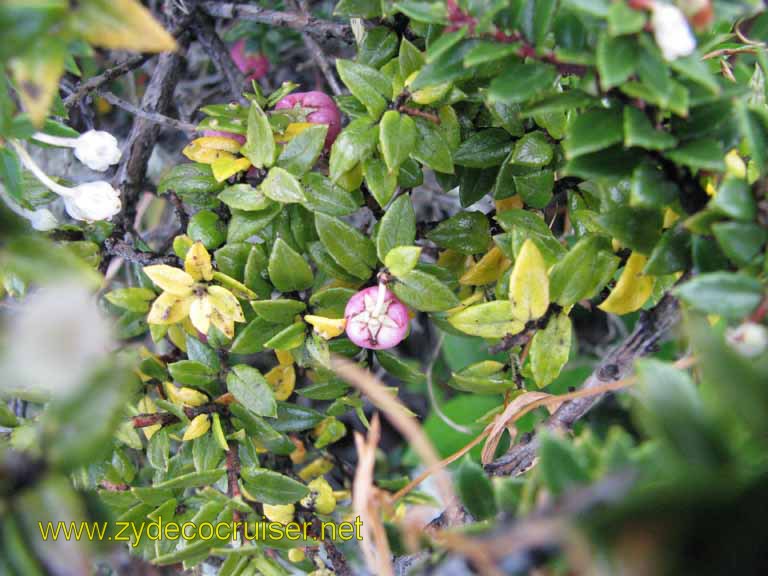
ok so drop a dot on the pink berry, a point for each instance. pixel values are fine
(239, 137)
(376, 319)
(254, 66)
(326, 111)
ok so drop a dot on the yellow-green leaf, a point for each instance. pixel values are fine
(550, 349)
(37, 73)
(489, 320)
(121, 25)
(632, 290)
(529, 284)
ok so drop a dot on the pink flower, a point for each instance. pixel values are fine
(326, 111)
(254, 66)
(376, 319)
(239, 137)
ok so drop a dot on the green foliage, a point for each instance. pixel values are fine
(511, 171)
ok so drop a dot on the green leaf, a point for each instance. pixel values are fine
(402, 259)
(734, 199)
(243, 225)
(639, 132)
(322, 195)
(559, 465)
(331, 430)
(582, 272)
(727, 294)
(10, 174)
(466, 232)
(330, 302)
(431, 148)
(636, 228)
(560, 102)
(272, 487)
(294, 418)
(533, 150)
(484, 149)
(616, 60)
(699, 155)
(592, 131)
(424, 292)
(193, 183)
(288, 338)
(355, 144)
(397, 138)
(380, 181)
(251, 339)
(192, 373)
(696, 70)
(348, 247)
(488, 320)
(378, 46)
(301, 153)
(485, 52)
(475, 490)
(485, 377)
(523, 225)
(536, 189)
(650, 188)
(206, 227)
(423, 11)
(521, 81)
(255, 425)
(191, 480)
(278, 311)
(624, 20)
(358, 8)
(244, 197)
(740, 241)
(259, 145)
(367, 85)
(397, 227)
(754, 132)
(133, 299)
(282, 186)
(550, 350)
(250, 388)
(410, 58)
(671, 254)
(328, 265)
(288, 271)
(400, 368)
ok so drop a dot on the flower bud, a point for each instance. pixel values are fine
(93, 201)
(671, 31)
(326, 111)
(254, 66)
(97, 149)
(750, 339)
(376, 319)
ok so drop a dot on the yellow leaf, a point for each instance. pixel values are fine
(225, 325)
(197, 262)
(321, 497)
(488, 269)
(282, 379)
(316, 468)
(351, 179)
(218, 432)
(37, 74)
(121, 25)
(200, 425)
(169, 308)
(223, 168)
(225, 303)
(184, 396)
(670, 217)
(327, 328)
(466, 302)
(147, 406)
(282, 513)
(488, 320)
(632, 290)
(200, 313)
(176, 334)
(431, 94)
(292, 130)
(218, 143)
(529, 284)
(197, 153)
(734, 165)
(170, 279)
(284, 357)
(511, 203)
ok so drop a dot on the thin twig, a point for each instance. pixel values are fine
(219, 55)
(420, 113)
(107, 76)
(127, 252)
(317, 52)
(319, 29)
(154, 117)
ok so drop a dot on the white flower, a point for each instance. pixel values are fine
(750, 339)
(59, 335)
(88, 201)
(93, 201)
(95, 148)
(671, 30)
